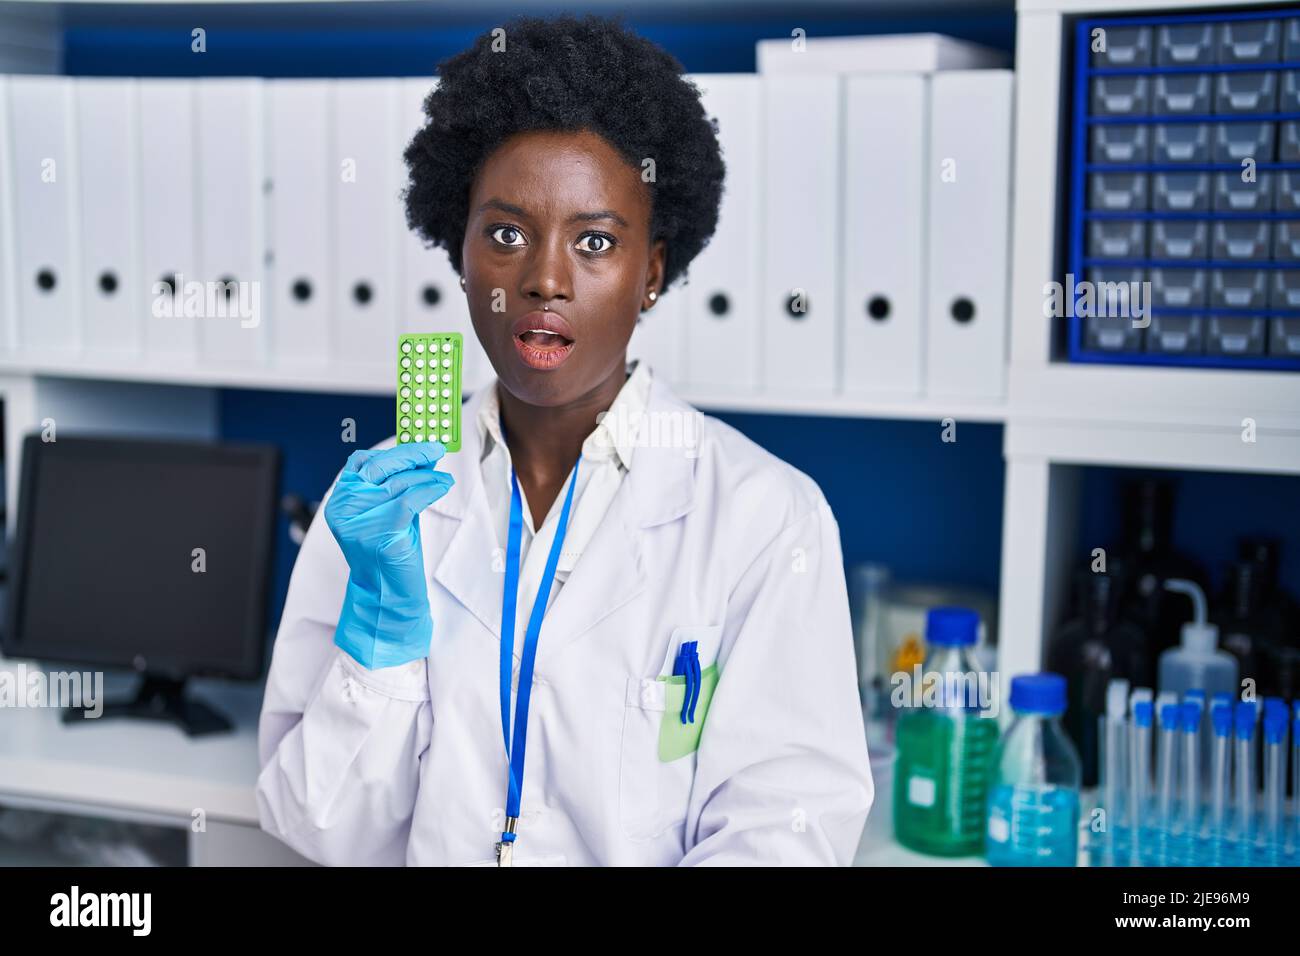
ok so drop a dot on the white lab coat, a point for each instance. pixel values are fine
(722, 543)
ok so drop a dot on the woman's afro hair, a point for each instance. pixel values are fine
(568, 74)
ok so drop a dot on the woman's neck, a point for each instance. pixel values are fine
(545, 440)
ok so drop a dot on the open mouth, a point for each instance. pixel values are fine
(542, 350)
(544, 341)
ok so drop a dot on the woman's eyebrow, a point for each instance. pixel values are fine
(601, 214)
(514, 210)
(504, 206)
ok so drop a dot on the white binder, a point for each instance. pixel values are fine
(168, 210)
(44, 178)
(364, 186)
(882, 278)
(112, 296)
(721, 295)
(800, 284)
(659, 339)
(969, 183)
(232, 239)
(299, 282)
(8, 281)
(431, 297)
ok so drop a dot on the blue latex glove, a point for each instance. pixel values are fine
(374, 514)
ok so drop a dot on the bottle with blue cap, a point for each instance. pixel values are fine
(945, 740)
(1033, 813)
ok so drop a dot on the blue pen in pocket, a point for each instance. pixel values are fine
(687, 664)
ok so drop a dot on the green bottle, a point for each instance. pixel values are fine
(944, 744)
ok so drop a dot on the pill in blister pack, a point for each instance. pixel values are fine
(429, 388)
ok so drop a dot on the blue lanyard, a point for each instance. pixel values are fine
(515, 751)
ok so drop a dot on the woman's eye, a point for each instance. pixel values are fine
(596, 242)
(508, 236)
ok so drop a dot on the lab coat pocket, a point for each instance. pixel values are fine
(679, 729)
(652, 794)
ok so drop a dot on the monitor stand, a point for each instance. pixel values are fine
(161, 698)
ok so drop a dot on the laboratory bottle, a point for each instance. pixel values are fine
(1196, 663)
(1096, 646)
(945, 743)
(1148, 552)
(1033, 815)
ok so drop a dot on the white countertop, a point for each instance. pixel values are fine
(142, 767)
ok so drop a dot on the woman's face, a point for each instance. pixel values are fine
(558, 219)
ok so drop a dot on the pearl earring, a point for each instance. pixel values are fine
(462, 282)
(654, 296)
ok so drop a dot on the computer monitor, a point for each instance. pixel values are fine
(152, 555)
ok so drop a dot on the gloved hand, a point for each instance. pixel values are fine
(374, 514)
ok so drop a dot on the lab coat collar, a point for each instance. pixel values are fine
(612, 569)
(614, 435)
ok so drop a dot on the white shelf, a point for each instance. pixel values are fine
(925, 409)
(1149, 395)
(378, 382)
(1121, 7)
(302, 378)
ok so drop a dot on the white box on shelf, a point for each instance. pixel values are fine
(112, 297)
(299, 222)
(800, 285)
(364, 188)
(232, 203)
(168, 217)
(892, 53)
(883, 273)
(44, 179)
(969, 180)
(721, 317)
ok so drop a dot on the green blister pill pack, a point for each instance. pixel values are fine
(428, 388)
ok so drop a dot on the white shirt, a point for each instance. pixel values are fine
(606, 458)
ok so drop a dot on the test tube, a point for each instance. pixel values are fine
(1140, 779)
(1197, 696)
(1244, 717)
(1221, 723)
(1166, 766)
(1295, 776)
(1190, 719)
(1113, 764)
(1274, 786)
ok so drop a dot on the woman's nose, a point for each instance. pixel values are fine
(546, 276)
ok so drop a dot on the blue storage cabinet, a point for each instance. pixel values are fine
(1185, 173)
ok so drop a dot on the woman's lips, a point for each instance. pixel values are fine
(542, 350)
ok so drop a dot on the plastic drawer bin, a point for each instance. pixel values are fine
(1118, 239)
(1179, 142)
(1185, 156)
(1237, 240)
(1177, 93)
(1179, 239)
(1123, 144)
(1176, 334)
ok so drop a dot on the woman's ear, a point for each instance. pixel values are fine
(654, 277)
